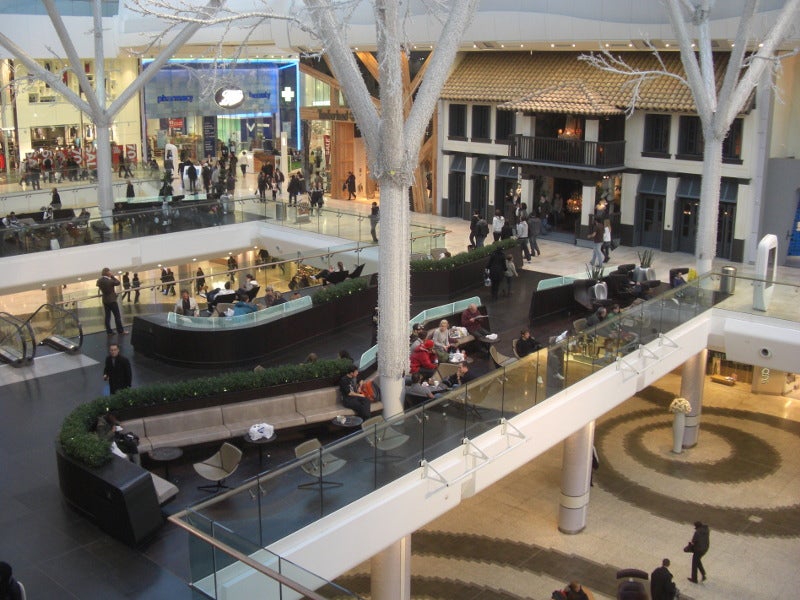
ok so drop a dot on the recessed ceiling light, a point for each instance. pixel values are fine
(552, 45)
(607, 44)
(761, 45)
(630, 44)
(666, 45)
(502, 45)
(573, 45)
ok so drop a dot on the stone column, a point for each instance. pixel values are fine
(390, 570)
(693, 379)
(576, 472)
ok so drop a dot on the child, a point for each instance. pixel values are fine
(511, 271)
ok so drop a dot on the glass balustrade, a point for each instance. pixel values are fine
(272, 505)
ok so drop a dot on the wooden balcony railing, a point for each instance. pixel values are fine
(568, 152)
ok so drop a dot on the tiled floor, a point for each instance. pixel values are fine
(742, 478)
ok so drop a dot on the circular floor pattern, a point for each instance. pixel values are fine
(739, 467)
(734, 468)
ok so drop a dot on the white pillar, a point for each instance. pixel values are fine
(576, 473)
(693, 377)
(587, 205)
(285, 156)
(390, 572)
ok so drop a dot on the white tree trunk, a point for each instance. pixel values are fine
(706, 245)
(393, 294)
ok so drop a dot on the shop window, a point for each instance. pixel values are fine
(732, 145)
(481, 123)
(457, 122)
(656, 136)
(505, 125)
(690, 139)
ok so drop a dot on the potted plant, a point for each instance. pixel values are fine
(645, 270)
(680, 407)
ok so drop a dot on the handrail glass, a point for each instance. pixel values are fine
(57, 327)
(17, 345)
(275, 504)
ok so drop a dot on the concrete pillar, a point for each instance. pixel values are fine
(576, 473)
(390, 572)
(693, 379)
(55, 294)
(587, 207)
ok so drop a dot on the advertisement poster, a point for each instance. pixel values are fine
(209, 136)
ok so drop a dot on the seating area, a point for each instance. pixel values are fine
(220, 423)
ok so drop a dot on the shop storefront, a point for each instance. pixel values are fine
(207, 109)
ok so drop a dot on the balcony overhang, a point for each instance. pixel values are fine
(537, 168)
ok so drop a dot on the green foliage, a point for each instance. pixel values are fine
(81, 444)
(595, 273)
(462, 258)
(646, 258)
(348, 287)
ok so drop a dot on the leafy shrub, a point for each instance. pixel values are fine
(348, 287)
(462, 258)
(81, 444)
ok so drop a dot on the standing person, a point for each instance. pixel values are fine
(124, 166)
(201, 279)
(606, 248)
(534, 229)
(171, 281)
(350, 185)
(294, 189)
(481, 232)
(597, 237)
(511, 272)
(129, 192)
(262, 186)
(374, 218)
(473, 223)
(9, 587)
(55, 199)
(126, 285)
(107, 283)
(243, 164)
(701, 542)
(497, 269)
(191, 174)
(205, 174)
(232, 266)
(522, 238)
(117, 371)
(661, 585)
(136, 284)
(497, 225)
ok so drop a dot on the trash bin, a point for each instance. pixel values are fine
(727, 283)
(280, 211)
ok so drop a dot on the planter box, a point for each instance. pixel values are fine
(456, 282)
(153, 337)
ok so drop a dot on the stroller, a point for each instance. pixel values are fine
(629, 586)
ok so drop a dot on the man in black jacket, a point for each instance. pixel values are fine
(117, 371)
(701, 542)
(661, 585)
(106, 284)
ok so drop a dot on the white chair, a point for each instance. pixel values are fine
(382, 437)
(500, 359)
(317, 464)
(219, 467)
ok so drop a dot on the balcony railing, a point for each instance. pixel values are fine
(599, 156)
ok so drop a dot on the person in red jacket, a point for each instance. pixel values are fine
(423, 359)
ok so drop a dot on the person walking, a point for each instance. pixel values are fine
(597, 238)
(350, 186)
(126, 285)
(374, 218)
(200, 282)
(106, 284)
(522, 238)
(511, 272)
(473, 223)
(497, 269)
(117, 370)
(481, 231)
(534, 229)
(497, 225)
(661, 585)
(606, 248)
(701, 542)
(135, 285)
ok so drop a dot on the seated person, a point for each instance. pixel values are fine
(218, 295)
(441, 340)
(243, 307)
(417, 337)
(106, 426)
(352, 395)
(471, 321)
(574, 591)
(527, 344)
(421, 390)
(460, 377)
(423, 359)
(273, 298)
(296, 296)
(599, 315)
(186, 305)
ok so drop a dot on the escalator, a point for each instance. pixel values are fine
(17, 344)
(56, 327)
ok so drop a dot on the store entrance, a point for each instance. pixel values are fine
(567, 201)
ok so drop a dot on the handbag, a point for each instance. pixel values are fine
(689, 547)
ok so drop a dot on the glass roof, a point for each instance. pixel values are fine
(67, 8)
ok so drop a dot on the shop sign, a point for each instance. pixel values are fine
(91, 158)
(130, 152)
(229, 97)
(334, 115)
(176, 123)
(326, 140)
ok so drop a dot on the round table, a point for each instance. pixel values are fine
(348, 421)
(260, 443)
(165, 455)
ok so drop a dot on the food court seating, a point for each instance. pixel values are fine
(318, 464)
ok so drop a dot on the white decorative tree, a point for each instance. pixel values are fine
(690, 20)
(393, 136)
(95, 106)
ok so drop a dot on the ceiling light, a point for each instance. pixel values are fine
(607, 44)
(573, 45)
(630, 44)
(761, 45)
(666, 45)
(502, 45)
(552, 45)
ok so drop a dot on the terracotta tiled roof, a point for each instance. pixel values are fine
(559, 82)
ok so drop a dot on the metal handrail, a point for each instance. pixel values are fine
(60, 310)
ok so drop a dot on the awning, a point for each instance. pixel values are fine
(480, 166)
(653, 183)
(458, 164)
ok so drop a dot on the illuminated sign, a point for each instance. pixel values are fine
(229, 97)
